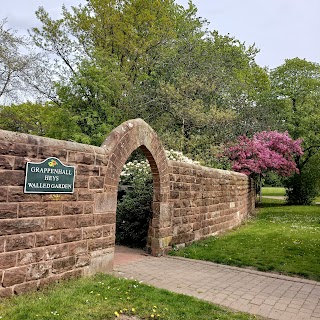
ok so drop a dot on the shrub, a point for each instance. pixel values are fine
(303, 188)
(134, 204)
(135, 193)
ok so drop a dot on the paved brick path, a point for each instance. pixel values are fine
(269, 295)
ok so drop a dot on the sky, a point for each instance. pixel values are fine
(281, 29)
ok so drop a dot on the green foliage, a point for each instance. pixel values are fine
(134, 204)
(304, 187)
(134, 209)
(42, 120)
(272, 179)
(283, 239)
(300, 190)
(90, 96)
(154, 60)
(296, 89)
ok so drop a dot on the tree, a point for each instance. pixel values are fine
(42, 120)
(16, 64)
(104, 49)
(155, 60)
(265, 151)
(204, 92)
(296, 92)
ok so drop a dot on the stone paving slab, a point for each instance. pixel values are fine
(269, 295)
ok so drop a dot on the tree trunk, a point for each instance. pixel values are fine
(260, 188)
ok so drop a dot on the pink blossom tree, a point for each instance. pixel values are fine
(265, 151)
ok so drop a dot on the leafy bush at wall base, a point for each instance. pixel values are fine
(134, 205)
(135, 193)
(133, 216)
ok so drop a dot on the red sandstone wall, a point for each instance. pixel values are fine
(45, 237)
(207, 201)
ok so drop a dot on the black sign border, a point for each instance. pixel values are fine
(50, 192)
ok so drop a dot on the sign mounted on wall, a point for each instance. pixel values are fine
(49, 176)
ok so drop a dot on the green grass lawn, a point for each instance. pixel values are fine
(278, 191)
(283, 239)
(104, 297)
(273, 191)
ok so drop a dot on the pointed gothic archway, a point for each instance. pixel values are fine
(118, 146)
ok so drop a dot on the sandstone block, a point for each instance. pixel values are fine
(71, 235)
(16, 226)
(88, 208)
(6, 292)
(56, 252)
(63, 222)
(39, 209)
(6, 162)
(8, 210)
(81, 181)
(92, 232)
(72, 274)
(105, 202)
(8, 260)
(77, 248)
(49, 151)
(26, 257)
(96, 182)
(25, 287)
(73, 208)
(19, 242)
(14, 276)
(83, 260)
(109, 230)
(87, 170)
(85, 220)
(15, 194)
(99, 243)
(85, 195)
(38, 270)
(63, 264)
(18, 149)
(11, 178)
(48, 238)
(3, 194)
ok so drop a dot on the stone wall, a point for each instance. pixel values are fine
(207, 201)
(47, 237)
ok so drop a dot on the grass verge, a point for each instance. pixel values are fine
(273, 191)
(105, 297)
(283, 239)
(278, 191)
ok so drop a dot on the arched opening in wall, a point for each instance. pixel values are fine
(134, 202)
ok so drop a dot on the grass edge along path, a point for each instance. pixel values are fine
(281, 239)
(105, 297)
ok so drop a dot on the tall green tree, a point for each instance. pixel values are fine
(296, 89)
(39, 119)
(156, 60)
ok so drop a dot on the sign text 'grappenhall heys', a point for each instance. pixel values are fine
(49, 176)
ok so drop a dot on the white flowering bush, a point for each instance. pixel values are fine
(135, 199)
(134, 204)
(138, 169)
(179, 156)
